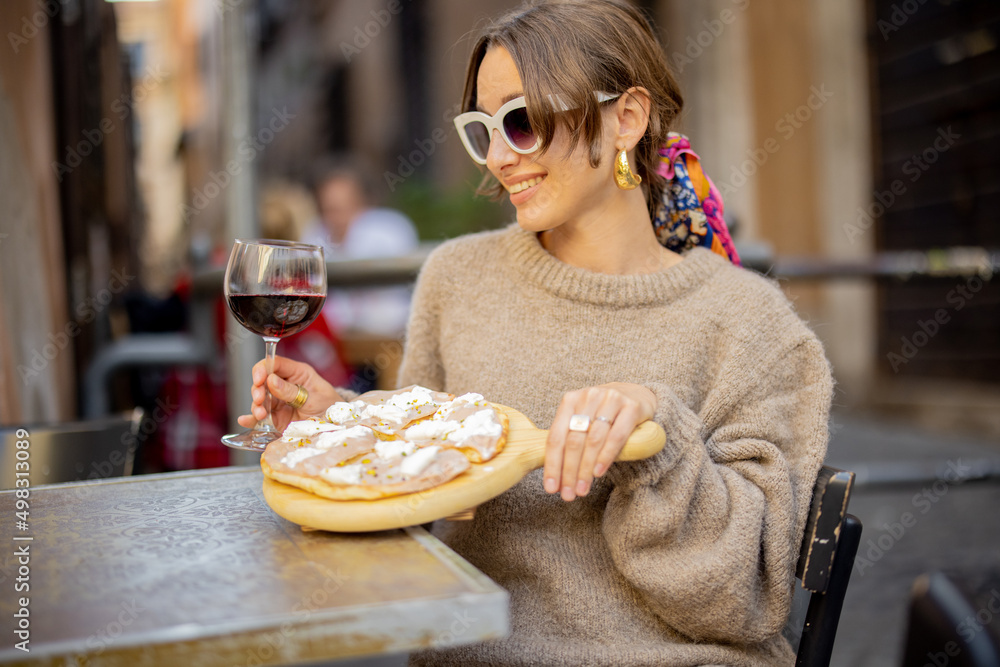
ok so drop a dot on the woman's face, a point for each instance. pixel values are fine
(547, 190)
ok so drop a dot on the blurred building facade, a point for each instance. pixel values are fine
(69, 208)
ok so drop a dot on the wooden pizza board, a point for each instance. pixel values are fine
(524, 451)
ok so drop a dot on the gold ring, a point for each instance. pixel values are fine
(300, 398)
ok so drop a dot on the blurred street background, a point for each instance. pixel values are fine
(856, 144)
(945, 488)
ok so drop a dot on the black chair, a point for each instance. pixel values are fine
(947, 628)
(826, 559)
(93, 449)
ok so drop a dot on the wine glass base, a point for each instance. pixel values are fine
(250, 441)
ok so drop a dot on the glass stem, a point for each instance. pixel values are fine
(270, 345)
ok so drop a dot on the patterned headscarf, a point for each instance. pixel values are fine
(691, 214)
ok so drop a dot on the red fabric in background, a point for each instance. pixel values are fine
(320, 348)
(195, 404)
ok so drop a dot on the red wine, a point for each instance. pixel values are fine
(275, 315)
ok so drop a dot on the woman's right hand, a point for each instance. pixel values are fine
(284, 383)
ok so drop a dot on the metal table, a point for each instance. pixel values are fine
(194, 568)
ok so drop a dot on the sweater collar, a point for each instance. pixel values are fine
(564, 281)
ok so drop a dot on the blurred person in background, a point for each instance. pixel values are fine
(351, 226)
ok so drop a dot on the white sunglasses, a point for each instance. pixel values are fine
(476, 128)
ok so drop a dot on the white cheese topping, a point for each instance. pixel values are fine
(450, 406)
(415, 463)
(396, 409)
(337, 438)
(414, 398)
(296, 456)
(478, 423)
(342, 474)
(390, 449)
(386, 412)
(344, 412)
(308, 428)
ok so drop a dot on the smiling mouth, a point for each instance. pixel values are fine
(524, 185)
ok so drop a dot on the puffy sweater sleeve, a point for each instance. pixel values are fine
(708, 530)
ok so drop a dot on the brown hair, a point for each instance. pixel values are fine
(574, 48)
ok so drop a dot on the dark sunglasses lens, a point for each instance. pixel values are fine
(518, 129)
(479, 138)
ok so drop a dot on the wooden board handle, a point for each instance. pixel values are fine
(647, 439)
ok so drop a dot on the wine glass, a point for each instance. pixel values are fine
(274, 289)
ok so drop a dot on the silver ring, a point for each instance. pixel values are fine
(579, 423)
(605, 419)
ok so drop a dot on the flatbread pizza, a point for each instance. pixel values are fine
(386, 444)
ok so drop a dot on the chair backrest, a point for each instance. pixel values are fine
(68, 452)
(946, 627)
(826, 559)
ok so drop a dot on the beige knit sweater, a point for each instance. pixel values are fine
(686, 558)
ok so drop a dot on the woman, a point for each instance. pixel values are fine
(582, 318)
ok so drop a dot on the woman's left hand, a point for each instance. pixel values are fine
(574, 458)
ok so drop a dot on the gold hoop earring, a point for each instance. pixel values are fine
(625, 178)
